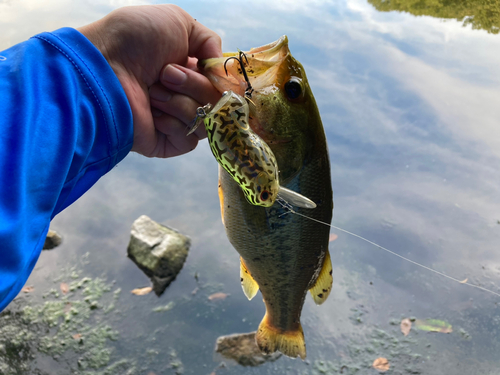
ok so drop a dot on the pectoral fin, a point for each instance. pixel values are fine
(221, 200)
(249, 285)
(323, 286)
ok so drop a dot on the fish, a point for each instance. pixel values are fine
(243, 154)
(281, 254)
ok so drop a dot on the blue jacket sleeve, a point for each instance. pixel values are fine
(65, 122)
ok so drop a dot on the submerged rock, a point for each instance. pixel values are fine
(159, 251)
(242, 348)
(52, 240)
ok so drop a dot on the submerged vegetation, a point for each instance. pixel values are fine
(480, 14)
(68, 328)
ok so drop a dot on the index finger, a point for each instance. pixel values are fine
(203, 42)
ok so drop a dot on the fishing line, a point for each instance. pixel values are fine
(464, 282)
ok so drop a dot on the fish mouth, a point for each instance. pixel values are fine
(262, 65)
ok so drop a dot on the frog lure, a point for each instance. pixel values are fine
(241, 152)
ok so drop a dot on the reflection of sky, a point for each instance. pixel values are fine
(410, 108)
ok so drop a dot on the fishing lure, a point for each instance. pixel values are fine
(243, 154)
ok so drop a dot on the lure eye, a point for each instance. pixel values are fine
(293, 88)
(264, 196)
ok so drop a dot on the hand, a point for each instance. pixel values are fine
(154, 51)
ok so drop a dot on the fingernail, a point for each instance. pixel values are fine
(173, 75)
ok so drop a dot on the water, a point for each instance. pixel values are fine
(410, 109)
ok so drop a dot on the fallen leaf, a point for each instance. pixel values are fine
(333, 237)
(142, 291)
(28, 289)
(433, 325)
(464, 281)
(406, 326)
(217, 296)
(77, 336)
(67, 307)
(381, 364)
(64, 288)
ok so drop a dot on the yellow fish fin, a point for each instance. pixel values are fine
(270, 339)
(221, 200)
(323, 286)
(249, 285)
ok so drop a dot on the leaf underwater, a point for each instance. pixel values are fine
(142, 291)
(406, 326)
(217, 296)
(381, 364)
(433, 325)
(64, 288)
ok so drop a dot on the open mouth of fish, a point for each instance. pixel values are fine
(263, 67)
(261, 64)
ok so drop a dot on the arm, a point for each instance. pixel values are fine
(66, 122)
(72, 111)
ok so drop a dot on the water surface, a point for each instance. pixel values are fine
(410, 109)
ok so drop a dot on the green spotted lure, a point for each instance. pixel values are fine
(243, 154)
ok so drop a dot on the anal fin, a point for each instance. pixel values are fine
(323, 286)
(249, 285)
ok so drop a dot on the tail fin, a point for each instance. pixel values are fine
(290, 343)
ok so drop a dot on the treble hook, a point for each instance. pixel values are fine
(201, 113)
(249, 90)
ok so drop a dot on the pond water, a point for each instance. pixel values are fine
(410, 108)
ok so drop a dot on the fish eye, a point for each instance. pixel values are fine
(293, 88)
(264, 196)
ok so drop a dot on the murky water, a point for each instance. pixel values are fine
(410, 108)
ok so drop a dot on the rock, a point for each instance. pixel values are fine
(159, 251)
(242, 348)
(52, 240)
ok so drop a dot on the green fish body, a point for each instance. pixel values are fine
(282, 254)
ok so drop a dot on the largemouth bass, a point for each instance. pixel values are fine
(282, 254)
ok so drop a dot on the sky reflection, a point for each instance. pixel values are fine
(410, 108)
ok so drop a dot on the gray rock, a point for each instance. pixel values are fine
(159, 251)
(242, 348)
(52, 240)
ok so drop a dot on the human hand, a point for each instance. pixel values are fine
(154, 50)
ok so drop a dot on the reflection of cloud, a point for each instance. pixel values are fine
(22, 19)
(408, 104)
(469, 110)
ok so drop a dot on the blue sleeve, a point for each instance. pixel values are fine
(65, 122)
